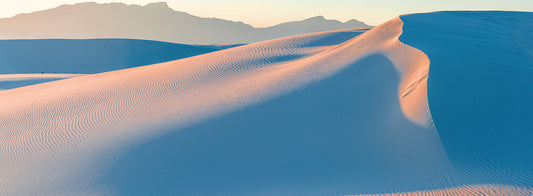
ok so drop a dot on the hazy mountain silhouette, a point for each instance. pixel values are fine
(155, 21)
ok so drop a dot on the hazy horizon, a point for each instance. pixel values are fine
(261, 14)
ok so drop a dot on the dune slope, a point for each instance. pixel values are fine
(480, 99)
(329, 113)
(64, 131)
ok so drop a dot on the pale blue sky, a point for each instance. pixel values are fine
(269, 12)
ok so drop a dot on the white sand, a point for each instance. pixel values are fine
(59, 138)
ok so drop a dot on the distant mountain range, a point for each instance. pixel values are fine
(155, 21)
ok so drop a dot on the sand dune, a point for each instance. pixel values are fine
(89, 56)
(29, 62)
(71, 120)
(331, 113)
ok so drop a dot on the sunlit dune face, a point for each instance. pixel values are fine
(58, 133)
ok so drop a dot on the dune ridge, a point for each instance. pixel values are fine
(63, 124)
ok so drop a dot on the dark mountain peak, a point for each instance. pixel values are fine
(84, 3)
(357, 23)
(316, 18)
(92, 4)
(158, 5)
(153, 21)
(68, 6)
